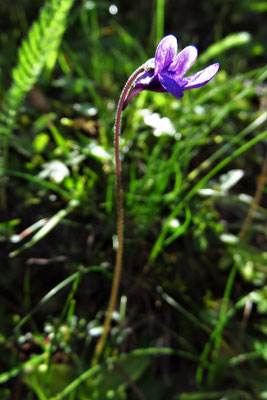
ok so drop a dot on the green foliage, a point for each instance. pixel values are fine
(109, 381)
(37, 50)
(233, 40)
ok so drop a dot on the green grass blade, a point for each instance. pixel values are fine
(52, 222)
(6, 376)
(230, 41)
(223, 312)
(160, 20)
(160, 241)
(39, 181)
(57, 289)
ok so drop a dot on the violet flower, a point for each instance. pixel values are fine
(165, 72)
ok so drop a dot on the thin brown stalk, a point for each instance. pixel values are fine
(118, 266)
(256, 200)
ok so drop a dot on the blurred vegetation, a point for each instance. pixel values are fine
(191, 323)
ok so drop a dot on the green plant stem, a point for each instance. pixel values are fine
(221, 323)
(160, 20)
(118, 265)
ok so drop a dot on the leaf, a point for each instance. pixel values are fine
(43, 39)
(230, 41)
(61, 376)
(115, 377)
(40, 142)
(112, 378)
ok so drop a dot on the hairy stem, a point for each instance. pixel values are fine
(118, 266)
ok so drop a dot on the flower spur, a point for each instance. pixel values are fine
(165, 72)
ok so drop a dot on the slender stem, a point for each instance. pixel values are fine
(256, 200)
(118, 266)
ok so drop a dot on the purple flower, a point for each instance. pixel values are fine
(165, 72)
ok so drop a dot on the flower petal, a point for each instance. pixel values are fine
(183, 61)
(165, 53)
(200, 78)
(146, 82)
(170, 86)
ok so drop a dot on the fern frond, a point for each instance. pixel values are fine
(43, 39)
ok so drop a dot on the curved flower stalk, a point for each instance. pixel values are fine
(164, 73)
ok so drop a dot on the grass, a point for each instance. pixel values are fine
(190, 321)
